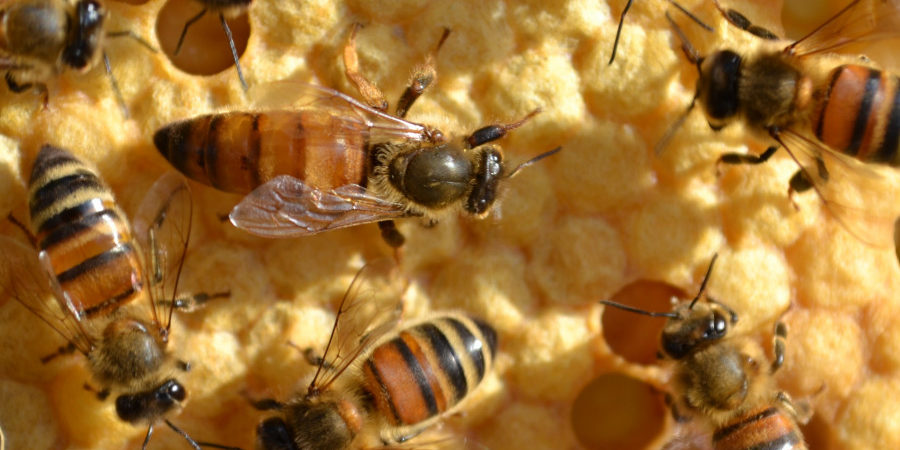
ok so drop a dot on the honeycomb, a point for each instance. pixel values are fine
(605, 218)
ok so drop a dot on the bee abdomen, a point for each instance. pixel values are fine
(768, 429)
(236, 152)
(429, 368)
(82, 233)
(860, 114)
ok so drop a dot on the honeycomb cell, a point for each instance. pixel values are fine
(205, 50)
(635, 337)
(615, 411)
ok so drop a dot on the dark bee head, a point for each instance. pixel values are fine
(148, 406)
(695, 327)
(487, 176)
(85, 34)
(306, 425)
(273, 434)
(718, 87)
(434, 177)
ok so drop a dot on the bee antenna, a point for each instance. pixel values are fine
(196, 444)
(664, 140)
(670, 315)
(705, 280)
(689, 51)
(691, 16)
(533, 160)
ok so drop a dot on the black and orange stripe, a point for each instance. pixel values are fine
(238, 151)
(83, 233)
(766, 428)
(428, 368)
(859, 114)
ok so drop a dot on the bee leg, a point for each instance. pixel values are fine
(739, 20)
(370, 93)
(147, 437)
(18, 88)
(677, 415)
(423, 76)
(743, 158)
(24, 229)
(391, 234)
(237, 63)
(184, 30)
(115, 86)
(191, 303)
(64, 350)
(264, 404)
(493, 132)
(778, 346)
(102, 394)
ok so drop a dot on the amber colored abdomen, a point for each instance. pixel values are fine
(766, 428)
(83, 234)
(860, 114)
(238, 151)
(429, 368)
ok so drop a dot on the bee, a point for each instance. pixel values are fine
(226, 9)
(114, 285)
(726, 380)
(792, 94)
(378, 385)
(612, 56)
(41, 38)
(336, 162)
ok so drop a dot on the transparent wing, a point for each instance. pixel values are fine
(162, 226)
(861, 20)
(379, 125)
(370, 308)
(24, 278)
(855, 194)
(286, 207)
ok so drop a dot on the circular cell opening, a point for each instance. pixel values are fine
(818, 434)
(205, 50)
(615, 411)
(634, 336)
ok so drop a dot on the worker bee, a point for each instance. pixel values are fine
(336, 162)
(225, 9)
(96, 267)
(376, 385)
(41, 38)
(819, 115)
(726, 380)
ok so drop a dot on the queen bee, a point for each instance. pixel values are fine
(114, 285)
(337, 162)
(379, 385)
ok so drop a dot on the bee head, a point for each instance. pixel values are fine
(147, 406)
(717, 88)
(85, 34)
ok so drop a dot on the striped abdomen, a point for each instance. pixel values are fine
(238, 151)
(860, 114)
(428, 368)
(85, 237)
(763, 429)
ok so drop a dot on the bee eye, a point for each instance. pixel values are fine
(716, 328)
(176, 391)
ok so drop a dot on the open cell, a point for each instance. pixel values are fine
(633, 336)
(615, 411)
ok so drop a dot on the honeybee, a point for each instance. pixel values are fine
(726, 380)
(376, 385)
(41, 38)
(336, 162)
(114, 286)
(819, 113)
(225, 9)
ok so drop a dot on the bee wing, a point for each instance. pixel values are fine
(848, 189)
(25, 278)
(162, 225)
(370, 308)
(285, 206)
(380, 125)
(861, 20)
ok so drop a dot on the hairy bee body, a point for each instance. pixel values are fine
(403, 384)
(767, 427)
(83, 234)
